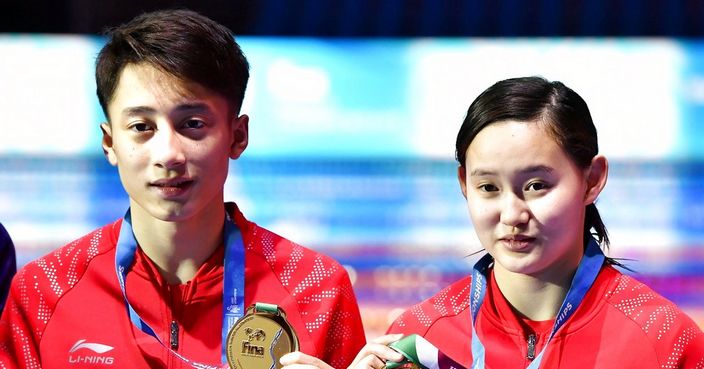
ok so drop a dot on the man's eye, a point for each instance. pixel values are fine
(140, 127)
(194, 124)
(488, 188)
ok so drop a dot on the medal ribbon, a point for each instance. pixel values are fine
(587, 271)
(420, 353)
(233, 281)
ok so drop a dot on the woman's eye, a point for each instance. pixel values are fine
(536, 186)
(194, 124)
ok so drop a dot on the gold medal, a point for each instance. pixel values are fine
(260, 338)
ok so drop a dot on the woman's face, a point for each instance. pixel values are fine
(527, 198)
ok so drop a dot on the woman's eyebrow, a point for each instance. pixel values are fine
(479, 172)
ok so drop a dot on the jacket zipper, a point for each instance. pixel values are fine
(174, 335)
(531, 347)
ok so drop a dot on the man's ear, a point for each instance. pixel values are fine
(597, 174)
(240, 135)
(107, 143)
(462, 178)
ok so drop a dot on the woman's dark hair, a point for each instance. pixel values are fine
(534, 99)
(182, 43)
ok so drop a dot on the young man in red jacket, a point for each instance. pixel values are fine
(163, 286)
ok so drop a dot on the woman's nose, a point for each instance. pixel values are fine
(514, 210)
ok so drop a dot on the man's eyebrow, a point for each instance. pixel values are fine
(180, 108)
(138, 110)
(192, 106)
(481, 172)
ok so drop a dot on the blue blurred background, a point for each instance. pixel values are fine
(352, 138)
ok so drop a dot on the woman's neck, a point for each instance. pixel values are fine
(537, 297)
(178, 249)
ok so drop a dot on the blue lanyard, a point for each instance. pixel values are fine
(233, 282)
(587, 271)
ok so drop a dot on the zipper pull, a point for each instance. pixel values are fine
(174, 335)
(531, 347)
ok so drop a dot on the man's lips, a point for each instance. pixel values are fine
(172, 188)
(173, 182)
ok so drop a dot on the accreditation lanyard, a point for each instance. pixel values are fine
(587, 272)
(233, 282)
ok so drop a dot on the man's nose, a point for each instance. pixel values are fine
(167, 148)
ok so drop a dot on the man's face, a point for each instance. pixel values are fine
(171, 142)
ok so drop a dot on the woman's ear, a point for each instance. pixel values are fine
(462, 178)
(597, 174)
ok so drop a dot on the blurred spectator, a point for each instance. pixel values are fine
(8, 265)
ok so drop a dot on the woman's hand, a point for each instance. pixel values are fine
(372, 356)
(375, 354)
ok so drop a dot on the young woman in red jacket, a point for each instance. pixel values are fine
(544, 296)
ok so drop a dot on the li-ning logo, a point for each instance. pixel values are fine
(86, 357)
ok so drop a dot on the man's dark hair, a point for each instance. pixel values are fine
(182, 43)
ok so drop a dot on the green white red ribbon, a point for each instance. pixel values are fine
(419, 353)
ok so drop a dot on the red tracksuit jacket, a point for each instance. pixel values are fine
(66, 309)
(621, 323)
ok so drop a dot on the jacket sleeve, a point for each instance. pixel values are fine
(690, 343)
(405, 324)
(19, 339)
(344, 334)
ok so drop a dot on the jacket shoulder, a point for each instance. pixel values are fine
(41, 283)
(296, 267)
(673, 335)
(447, 304)
(299, 269)
(320, 292)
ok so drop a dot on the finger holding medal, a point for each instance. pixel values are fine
(373, 355)
(376, 353)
